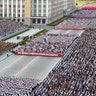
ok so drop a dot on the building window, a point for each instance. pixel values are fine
(34, 1)
(14, 19)
(39, 1)
(22, 20)
(5, 15)
(43, 21)
(0, 5)
(34, 20)
(9, 14)
(18, 15)
(38, 21)
(14, 6)
(0, 14)
(23, 6)
(14, 15)
(18, 6)
(18, 20)
(44, 6)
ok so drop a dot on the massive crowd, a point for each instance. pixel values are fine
(75, 74)
(6, 46)
(11, 86)
(49, 43)
(8, 27)
(84, 14)
(73, 23)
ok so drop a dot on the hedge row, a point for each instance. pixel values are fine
(34, 36)
(54, 23)
(40, 32)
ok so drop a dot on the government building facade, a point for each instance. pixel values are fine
(33, 12)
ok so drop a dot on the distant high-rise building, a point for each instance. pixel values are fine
(35, 11)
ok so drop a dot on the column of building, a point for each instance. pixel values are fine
(46, 11)
(42, 8)
(37, 9)
(3, 8)
(21, 10)
(27, 11)
(16, 8)
(12, 9)
(7, 8)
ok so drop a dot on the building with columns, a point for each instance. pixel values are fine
(69, 6)
(33, 12)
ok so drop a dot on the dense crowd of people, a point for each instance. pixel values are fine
(92, 26)
(48, 43)
(73, 23)
(8, 27)
(6, 46)
(11, 86)
(75, 74)
(84, 14)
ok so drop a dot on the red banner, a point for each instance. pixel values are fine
(68, 28)
(38, 54)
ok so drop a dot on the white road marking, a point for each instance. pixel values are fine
(10, 64)
(26, 66)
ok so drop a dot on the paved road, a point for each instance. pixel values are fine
(30, 33)
(43, 26)
(27, 66)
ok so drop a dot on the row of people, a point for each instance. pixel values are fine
(84, 14)
(75, 74)
(55, 37)
(6, 46)
(74, 23)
